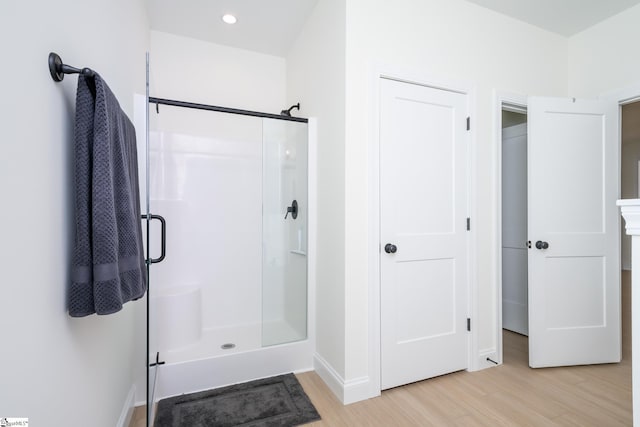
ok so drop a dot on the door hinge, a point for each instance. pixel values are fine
(468, 224)
(468, 123)
(468, 324)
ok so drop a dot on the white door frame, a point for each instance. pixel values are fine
(621, 97)
(394, 73)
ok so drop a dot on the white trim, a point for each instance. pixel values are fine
(347, 392)
(374, 234)
(513, 101)
(356, 390)
(630, 209)
(330, 376)
(312, 229)
(379, 71)
(624, 95)
(408, 75)
(127, 410)
(514, 108)
(472, 203)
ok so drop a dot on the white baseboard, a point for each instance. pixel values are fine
(331, 378)
(358, 389)
(347, 392)
(127, 409)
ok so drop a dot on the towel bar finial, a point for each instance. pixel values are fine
(58, 69)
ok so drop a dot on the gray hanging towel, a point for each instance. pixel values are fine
(108, 261)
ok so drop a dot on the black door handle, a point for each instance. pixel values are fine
(542, 245)
(390, 248)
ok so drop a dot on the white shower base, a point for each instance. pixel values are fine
(244, 337)
(205, 365)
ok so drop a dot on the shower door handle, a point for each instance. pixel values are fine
(163, 238)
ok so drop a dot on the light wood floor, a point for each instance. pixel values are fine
(508, 395)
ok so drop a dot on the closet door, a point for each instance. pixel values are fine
(514, 229)
(574, 268)
(423, 218)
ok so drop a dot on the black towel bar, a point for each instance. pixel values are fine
(58, 69)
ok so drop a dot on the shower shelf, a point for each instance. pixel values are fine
(295, 251)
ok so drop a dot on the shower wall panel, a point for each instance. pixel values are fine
(206, 173)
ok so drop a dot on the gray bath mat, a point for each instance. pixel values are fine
(270, 402)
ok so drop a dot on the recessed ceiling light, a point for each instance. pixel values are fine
(229, 19)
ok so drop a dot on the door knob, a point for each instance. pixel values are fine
(542, 245)
(390, 248)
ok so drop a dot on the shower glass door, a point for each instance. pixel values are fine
(152, 232)
(234, 278)
(206, 181)
(284, 231)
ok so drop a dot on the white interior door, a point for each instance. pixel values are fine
(423, 211)
(515, 302)
(574, 270)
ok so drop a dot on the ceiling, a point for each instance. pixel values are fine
(564, 17)
(271, 26)
(267, 26)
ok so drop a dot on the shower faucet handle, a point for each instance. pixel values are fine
(293, 210)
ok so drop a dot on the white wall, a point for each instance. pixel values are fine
(58, 370)
(600, 58)
(600, 63)
(191, 70)
(316, 78)
(445, 41)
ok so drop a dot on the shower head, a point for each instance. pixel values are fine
(288, 112)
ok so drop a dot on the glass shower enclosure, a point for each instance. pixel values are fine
(232, 189)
